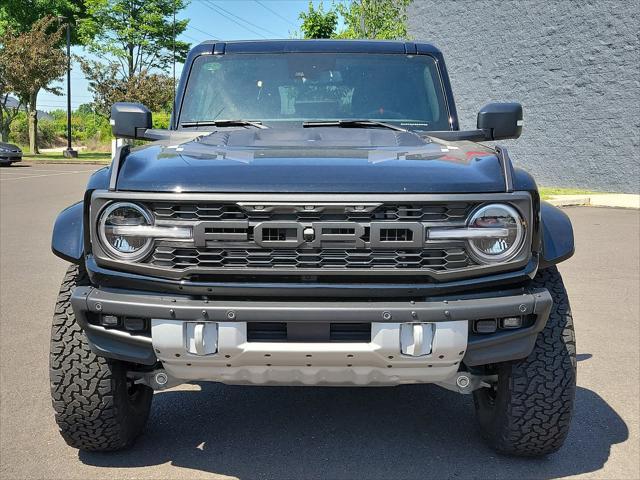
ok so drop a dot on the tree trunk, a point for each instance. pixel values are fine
(4, 127)
(33, 124)
(131, 66)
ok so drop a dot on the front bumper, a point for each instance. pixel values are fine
(10, 157)
(380, 361)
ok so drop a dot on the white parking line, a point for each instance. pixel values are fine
(24, 170)
(12, 173)
(55, 168)
(40, 176)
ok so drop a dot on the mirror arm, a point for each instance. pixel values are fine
(141, 133)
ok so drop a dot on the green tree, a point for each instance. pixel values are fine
(316, 23)
(8, 110)
(30, 62)
(20, 15)
(155, 90)
(138, 35)
(383, 19)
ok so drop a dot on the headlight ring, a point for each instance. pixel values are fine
(124, 246)
(498, 249)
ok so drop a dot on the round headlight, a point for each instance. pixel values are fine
(506, 235)
(117, 230)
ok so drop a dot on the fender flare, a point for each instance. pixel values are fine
(67, 240)
(557, 235)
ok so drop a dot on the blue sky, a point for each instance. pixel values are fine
(223, 19)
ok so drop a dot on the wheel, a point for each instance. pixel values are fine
(528, 411)
(96, 407)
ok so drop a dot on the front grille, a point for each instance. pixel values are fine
(444, 212)
(210, 258)
(308, 238)
(228, 238)
(167, 211)
(308, 332)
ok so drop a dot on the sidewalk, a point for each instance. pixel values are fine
(617, 200)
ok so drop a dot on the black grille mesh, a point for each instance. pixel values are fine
(247, 255)
(447, 212)
(181, 258)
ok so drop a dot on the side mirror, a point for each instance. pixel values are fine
(130, 120)
(500, 120)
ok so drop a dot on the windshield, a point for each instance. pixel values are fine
(278, 89)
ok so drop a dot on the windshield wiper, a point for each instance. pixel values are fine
(224, 123)
(352, 124)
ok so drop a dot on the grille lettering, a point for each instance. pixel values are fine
(288, 234)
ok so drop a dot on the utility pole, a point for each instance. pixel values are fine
(173, 109)
(69, 152)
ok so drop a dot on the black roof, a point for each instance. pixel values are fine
(322, 46)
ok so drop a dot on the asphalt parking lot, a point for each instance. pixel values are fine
(217, 431)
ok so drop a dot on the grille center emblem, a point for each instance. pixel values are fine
(309, 234)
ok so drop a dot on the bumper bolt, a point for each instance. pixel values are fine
(161, 378)
(386, 316)
(98, 306)
(463, 381)
(231, 315)
(522, 308)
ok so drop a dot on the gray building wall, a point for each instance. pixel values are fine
(575, 67)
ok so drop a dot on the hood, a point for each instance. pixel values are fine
(311, 160)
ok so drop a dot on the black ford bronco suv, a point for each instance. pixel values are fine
(314, 216)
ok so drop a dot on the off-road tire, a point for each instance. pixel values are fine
(528, 412)
(96, 407)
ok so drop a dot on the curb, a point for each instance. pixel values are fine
(612, 200)
(570, 201)
(68, 162)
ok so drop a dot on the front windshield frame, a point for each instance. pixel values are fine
(443, 101)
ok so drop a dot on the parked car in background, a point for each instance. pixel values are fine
(9, 153)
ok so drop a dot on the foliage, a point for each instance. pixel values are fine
(137, 34)
(155, 90)
(383, 19)
(19, 130)
(88, 128)
(8, 112)
(20, 15)
(161, 120)
(316, 23)
(19, 133)
(30, 62)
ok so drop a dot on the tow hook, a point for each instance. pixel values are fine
(466, 383)
(157, 379)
